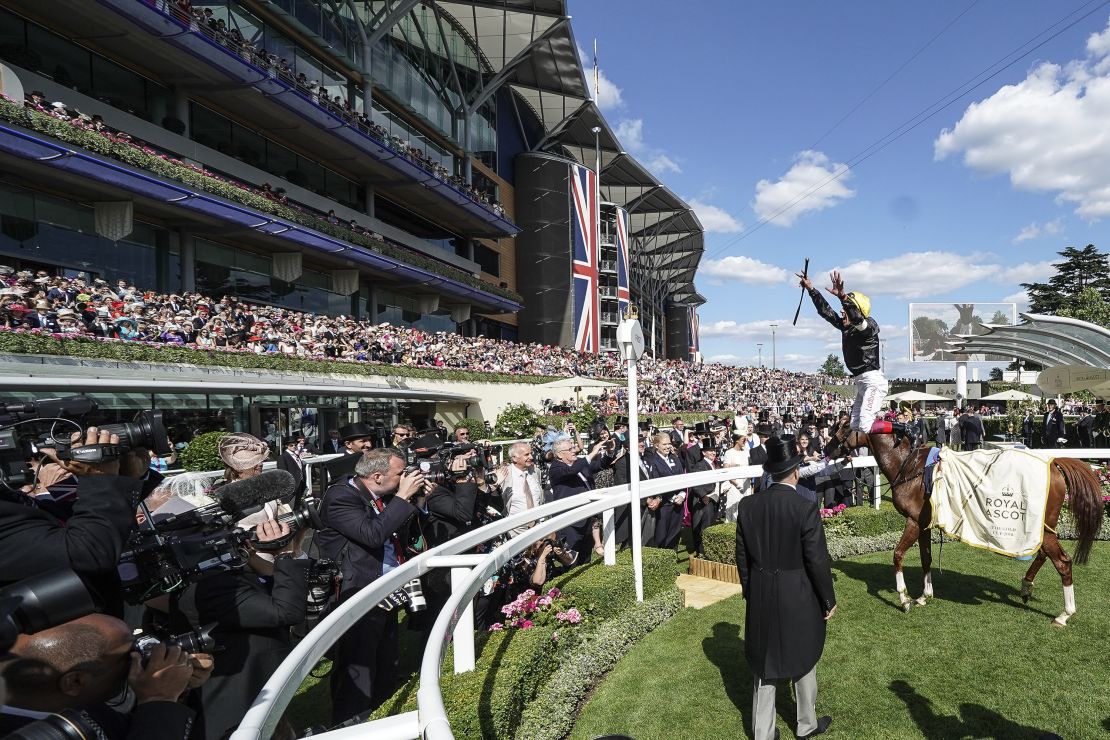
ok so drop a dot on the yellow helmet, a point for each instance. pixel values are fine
(863, 303)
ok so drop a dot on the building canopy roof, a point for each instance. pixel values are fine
(1046, 340)
(529, 45)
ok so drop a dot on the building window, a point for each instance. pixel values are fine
(488, 259)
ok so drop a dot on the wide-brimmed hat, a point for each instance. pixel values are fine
(358, 430)
(782, 455)
(763, 429)
(66, 313)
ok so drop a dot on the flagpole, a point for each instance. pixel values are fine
(597, 200)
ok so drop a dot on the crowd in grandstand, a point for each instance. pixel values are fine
(203, 20)
(94, 308)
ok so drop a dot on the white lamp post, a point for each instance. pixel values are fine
(630, 340)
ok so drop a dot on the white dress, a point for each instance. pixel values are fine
(735, 490)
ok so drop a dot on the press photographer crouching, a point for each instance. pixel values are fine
(366, 530)
(88, 676)
(247, 611)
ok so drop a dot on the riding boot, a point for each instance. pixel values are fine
(890, 427)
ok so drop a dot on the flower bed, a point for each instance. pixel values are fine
(513, 664)
(122, 149)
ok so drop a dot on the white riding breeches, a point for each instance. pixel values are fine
(871, 388)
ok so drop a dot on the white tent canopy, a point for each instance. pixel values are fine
(1011, 395)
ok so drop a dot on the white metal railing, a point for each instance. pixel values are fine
(456, 619)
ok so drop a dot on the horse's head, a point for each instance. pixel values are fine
(844, 440)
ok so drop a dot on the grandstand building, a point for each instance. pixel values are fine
(437, 165)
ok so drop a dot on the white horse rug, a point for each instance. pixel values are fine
(993, 499)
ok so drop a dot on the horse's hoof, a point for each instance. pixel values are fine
(921, 601)
(906, 605)
(1025, 598)
(1026, 591)
(1058, 624)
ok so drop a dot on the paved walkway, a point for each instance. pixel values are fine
(701, 592)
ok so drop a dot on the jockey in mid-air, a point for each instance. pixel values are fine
(860, 342)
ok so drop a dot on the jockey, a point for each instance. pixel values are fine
(860, 342)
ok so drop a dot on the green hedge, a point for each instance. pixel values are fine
(149, 160)
(489, 701)
(26, 343)
(551, 715)
(203, 453)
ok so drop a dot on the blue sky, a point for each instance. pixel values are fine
(735, 106)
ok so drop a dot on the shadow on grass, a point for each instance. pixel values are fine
(725, 649)
(951, 585)
(975, 720)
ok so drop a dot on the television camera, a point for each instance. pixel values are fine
(27, 428)
(434, 461)
(166, 553)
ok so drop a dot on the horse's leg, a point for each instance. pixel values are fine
(1063, 565)
(1027, 581)
(925, 543)
(908, 536)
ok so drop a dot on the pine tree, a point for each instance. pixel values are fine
(833, 367)
(1080, 268)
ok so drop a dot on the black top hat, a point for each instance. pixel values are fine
(702, 427)
(782, 455)
(763, 429)
(708, 445)
(620, 421)
(358, 430)
(645, 426)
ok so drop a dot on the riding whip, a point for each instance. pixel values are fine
(805, 274)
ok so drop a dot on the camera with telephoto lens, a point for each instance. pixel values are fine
(410, 596)
(434, 462)
(34, 604)
(193, 641)
(26, 428)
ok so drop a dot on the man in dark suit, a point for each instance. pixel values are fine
(1085, 428)
(570, 475)
(664, 461)
(784, 571)
(357, 440)
(1027, 429)
(971, 429)
(622, 476)
(678, 433)
(758, 454)
(1053, 426)
(366, 520)
(333, 445)
(291, 462)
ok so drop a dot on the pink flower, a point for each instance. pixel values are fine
(526, 624)
(496, 627)
(574, 616)
(554, 593)
(544, 601)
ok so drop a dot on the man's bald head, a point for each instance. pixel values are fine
(74, 665)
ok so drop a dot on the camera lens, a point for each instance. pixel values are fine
(147, 431)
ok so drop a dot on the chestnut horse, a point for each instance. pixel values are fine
(903, 464)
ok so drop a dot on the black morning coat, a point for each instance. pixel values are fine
(784, 570)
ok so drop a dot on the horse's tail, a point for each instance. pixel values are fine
(1085, 496)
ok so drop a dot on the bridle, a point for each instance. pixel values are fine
(841, 446)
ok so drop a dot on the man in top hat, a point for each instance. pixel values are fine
(678, 433)
(42, 318)
(1053, 426)
(357, 440)
(758, 455)
(859, 338)
(703, 499)
(1100, 433)
(783, 562)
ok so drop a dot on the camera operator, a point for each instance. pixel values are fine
(79, 666)
(538, 564)
(571, 475)
(252, 609)
(367, 518)
(91, 538)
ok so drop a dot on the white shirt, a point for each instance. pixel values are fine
(515, 500)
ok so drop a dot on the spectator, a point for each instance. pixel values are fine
(663, 462)
(1054, 434)
(570, 475)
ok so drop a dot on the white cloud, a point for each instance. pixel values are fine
(923, 274)
(805, 187)
(630, 133)
(1047, 132)
(1035, 230)
(744, 270)
(716, 219)
(1021, 298)
(607, 95)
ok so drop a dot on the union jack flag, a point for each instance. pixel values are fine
(623, 295)
(583, 195)
(695, 343)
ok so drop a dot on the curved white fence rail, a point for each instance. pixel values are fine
(430, 720)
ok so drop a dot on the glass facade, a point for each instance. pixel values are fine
(401, 310)
(32, 47)
(48, 232)
(223, 270)
(213, 130)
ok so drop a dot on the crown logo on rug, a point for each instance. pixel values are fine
(1008, 491)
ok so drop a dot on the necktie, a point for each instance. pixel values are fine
(529, 502)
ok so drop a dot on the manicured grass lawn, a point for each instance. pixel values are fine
(975, 663)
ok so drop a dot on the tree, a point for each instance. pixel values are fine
(516, 421)
(1000, 318)
(833, 367)
(996, 373)
(1080, 269)
(1088, 305)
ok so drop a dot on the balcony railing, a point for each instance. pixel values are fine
(608, 239)
(610, 318)
(608, 266)
(607, 291)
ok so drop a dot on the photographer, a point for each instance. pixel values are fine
(538, 564)
(79, 666)
(571, 475)
(91, 538)
(252, 609)
(367, 519)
